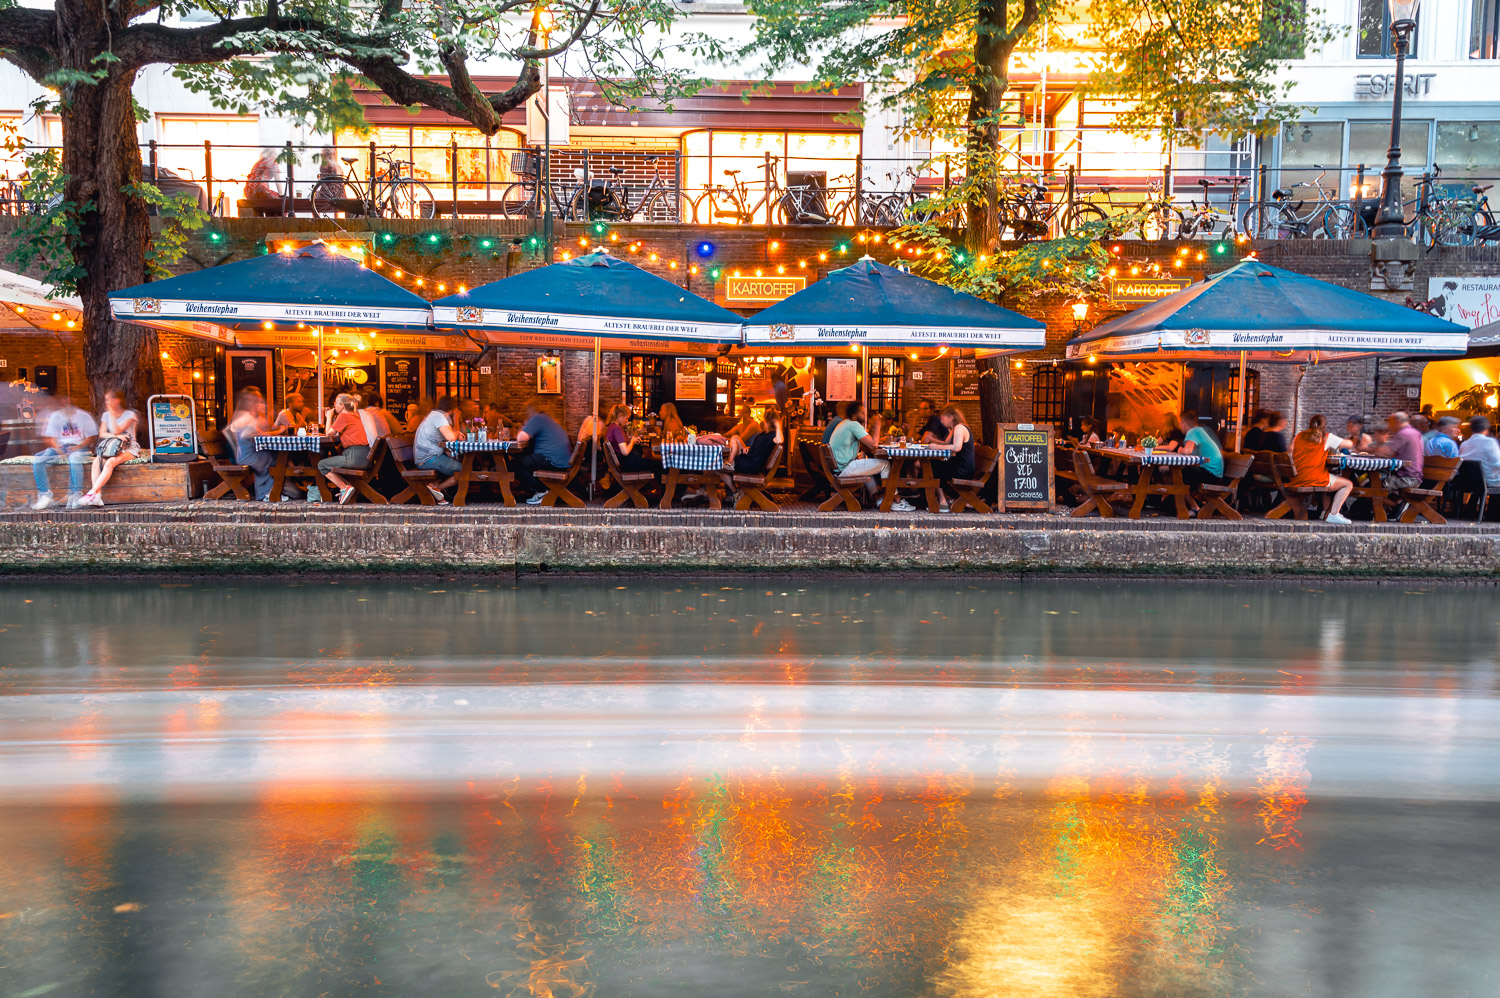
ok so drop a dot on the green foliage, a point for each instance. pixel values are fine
(48, 224)
(180, 217)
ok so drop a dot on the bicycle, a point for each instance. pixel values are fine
(523, 198)
(801, 203)
(659, 201)
(1283, 218)
(1205, 217)
(1030, 212)
(393, 193)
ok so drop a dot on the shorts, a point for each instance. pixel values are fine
(1394, 482)
(441, 463)
(867, 466)
(354, 458)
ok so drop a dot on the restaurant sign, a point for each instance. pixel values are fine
(761, 290)
(1140, 290)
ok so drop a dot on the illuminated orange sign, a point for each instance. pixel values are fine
(757, 290)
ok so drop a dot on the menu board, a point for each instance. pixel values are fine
(965, 378)
(843, 379)
(173, 431)
(402, 380)
(692, 379)
(248, 369)
(1025, 466)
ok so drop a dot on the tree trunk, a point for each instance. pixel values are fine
(101, 159)
(996, 397)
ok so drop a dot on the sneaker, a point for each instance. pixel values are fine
(285, 499)
(73, 500)
(437, 494)
(536, 500)
(43, 500)
(1337, 519)
(313, 495)
(902, 506)
(943, 507)
(91, 499)
(346, 494)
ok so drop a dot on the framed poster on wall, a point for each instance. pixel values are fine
(843, 379)
(248, 369)
(965, 383)
(549, 375)
(692, 379)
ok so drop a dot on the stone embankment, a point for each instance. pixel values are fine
(190, 538)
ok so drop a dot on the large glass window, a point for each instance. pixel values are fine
(235, 146)
(1369, 140)
(1466, 149)
(1484, 31)
(641, 383)
(885, 375)
(1374, 40)
(1307, 149)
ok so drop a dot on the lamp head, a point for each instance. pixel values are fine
(1080, 311)
(1403, 16)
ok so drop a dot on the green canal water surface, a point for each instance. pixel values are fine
(880, 788)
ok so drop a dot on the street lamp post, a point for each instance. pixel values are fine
(1390, 223)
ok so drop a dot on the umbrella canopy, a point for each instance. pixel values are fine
(24, 304)
(876, 306)
(280, 299)
(1270, 315)
(596, 295)
(1484, 341)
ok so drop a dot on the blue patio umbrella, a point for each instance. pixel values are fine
(875, 306)
(1254, 311)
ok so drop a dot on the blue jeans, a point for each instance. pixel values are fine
(440, 463)
(77, 461)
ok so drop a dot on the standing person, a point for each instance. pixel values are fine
(959, 442)
(117, 444)
(430, 446)
(850, 441)
(1404, 443)
(1443, 440)
(1310, 466)
(350, 430)
(1199, 439)
(248, 422)
(629, 449)
(294, 417)
(549, 450)
(68, 433)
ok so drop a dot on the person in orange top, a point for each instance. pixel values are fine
(350, 430)
(1310, 460)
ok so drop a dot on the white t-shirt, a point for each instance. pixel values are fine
(70, 427)
(429, 439)
(1485, 450)
(125, 424)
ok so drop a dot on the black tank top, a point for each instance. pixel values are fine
(961, 464)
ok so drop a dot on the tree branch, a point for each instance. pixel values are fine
(28, 38)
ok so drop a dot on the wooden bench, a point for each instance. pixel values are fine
(968, 489)
(144, 482)
(232, 478)
(1223, 499)
(1099, 493)
(842, 485)
(420, 482)
(1293, 497)
(559, 482)
(753, 487)
(1437, 472)
(630, 482)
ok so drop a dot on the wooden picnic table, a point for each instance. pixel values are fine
(285, 445)
(1160, 475)
(499, 473)
(924, 479)
(691, 464)
(1367, 472)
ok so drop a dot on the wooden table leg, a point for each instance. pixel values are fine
(465, 475)
(930, 485)
(503, 478)
(1142, 491)
(892, 483)
(278, 474)
(1179, 492)
(669, 486)
(712, 485)
(321, 483)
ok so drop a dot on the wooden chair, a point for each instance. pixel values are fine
(630, 482)
(1293, 497)
(1223, 499)
(1258, 489)
(419, 481)
(362, 478)
(985, 460)
(233, 477)
(559, 482)
(842, 486)
(813, 464)
(1436, 473)
(753, 487)
(1098, 492)
(1468, 491)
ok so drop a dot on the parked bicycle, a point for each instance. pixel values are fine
(796, 204)
(1283, 217)
(393, 193)
(659, 201)
(1204, 218)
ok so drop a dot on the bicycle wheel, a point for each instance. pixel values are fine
(1267, 220)
(518, 201)
(716, 206)
(1085, 214)
(329, 198)
(664, 206)
(1341, 221)
(1456, 226)
(411, 199)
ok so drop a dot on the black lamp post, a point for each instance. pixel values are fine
(1390, 223)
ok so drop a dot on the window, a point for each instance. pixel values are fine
(1228, 392)
(1309, 147)
(1047, 395)
(235, 146)
(1369, 140)
(640, 383)
(205, 389)
(1468, 149)
(454, 377)
(1484, 32)
(885, 376)
(1374, 41)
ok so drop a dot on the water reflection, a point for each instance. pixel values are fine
(942, 791)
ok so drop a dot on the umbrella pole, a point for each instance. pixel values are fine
(594, 450)
(864, 379)
(1239, 415)
(320, 375)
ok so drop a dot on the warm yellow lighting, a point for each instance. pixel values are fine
(1200, 256)
(775, 246)
(164, 355)
(653, 258)
(802, 264)
(1092, 358)
(822, 256)
(442, 287)
(672, 264)
(1019, 365)
(736, 273)
(198, 375)
(56, 316)
(759, 272)
(268, 324)
(583, 240)
(71, 323)
(398, 273)
(21, 309)
(854, 348)
(1134, 271)
(286, 247)
(693, 269)
(614, 237)
(567, 255)
(1492, 399)
(780, 270)
(1080, 311)
(462, 290)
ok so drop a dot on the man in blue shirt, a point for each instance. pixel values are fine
(549, 450)
(1443, 440)
(1199, 439)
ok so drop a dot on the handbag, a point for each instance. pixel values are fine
(110, 446)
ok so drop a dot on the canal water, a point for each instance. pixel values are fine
(878, 788)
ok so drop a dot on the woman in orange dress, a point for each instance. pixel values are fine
(1310, 461)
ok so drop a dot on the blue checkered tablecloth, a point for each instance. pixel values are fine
(1171, 459)
(932, 453)
(692, 457)
(290, 441)
(457, 447)
(1364, 462)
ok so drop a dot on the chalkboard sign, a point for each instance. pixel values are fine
(401, 380)
(1025, 467)
(965, 378)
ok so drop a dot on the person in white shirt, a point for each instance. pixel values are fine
(1484, 448)
(69, 434)
(116, 423)
(430, 443)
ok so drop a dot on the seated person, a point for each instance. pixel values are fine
(497, 423)
(1254, 438)
(1171, 436)
(591, 427)
(1200, 439)
(115, 423)
(672, 427)
(547, 449)
(849, 446)
(919, 418)
(1358, 439)
(429, 445)
(832, 424)
(1482, 447)
(933, 429)
(1274, 436)
(354, 439)
(1443, 440)
(1310, 463)
(960, 443)
(751, 459)
(294, 417)
(632, 453)
(1089, 435)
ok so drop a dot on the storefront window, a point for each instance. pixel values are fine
(1374, 40)
(205, 390)
(1369, 140)
(885, 377)
(1469, 150)
(1484, 32)
(819, 159)
(454, 377)
(235, 146)
(640, 383)
(1308, 148)
(1047, 395)
(483, 164)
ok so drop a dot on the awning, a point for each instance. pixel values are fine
(24, 304)
(596, 295)
(878, 307)
(1269, 315)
